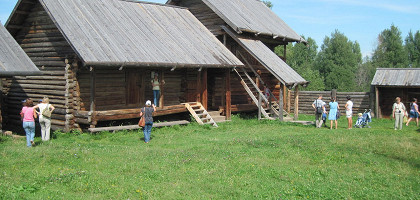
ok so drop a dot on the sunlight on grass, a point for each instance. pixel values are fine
(242, 159)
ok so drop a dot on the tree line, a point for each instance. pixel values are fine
(339, 64)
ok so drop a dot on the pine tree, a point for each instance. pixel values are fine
(390, 52)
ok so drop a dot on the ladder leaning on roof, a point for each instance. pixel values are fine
(272, 110)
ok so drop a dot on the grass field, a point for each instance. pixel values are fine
(242, 159)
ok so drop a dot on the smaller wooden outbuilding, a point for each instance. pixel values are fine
(13, 60)
(389, 83)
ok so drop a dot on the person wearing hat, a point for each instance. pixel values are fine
(147, 113)
(156, 88)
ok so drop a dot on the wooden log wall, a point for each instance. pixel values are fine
(361, 100)
(206, 16)
(48, 49)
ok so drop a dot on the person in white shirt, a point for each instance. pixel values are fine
(349, 112)
(319, 107)
(45, 121)
(398, 113)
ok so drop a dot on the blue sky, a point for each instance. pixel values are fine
(359, 20)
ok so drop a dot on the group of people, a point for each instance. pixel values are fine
(398, 112)
(28, 115)
(333, 114)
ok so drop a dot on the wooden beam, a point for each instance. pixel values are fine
(162, 90)
(228, 107)
(296, 103)
(134, 127)
(284, 96)
(281, 102)
(92, 96)
(204, 95)
(198, 89)
(289, 100)
(284, 55)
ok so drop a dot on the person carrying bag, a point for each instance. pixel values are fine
(146, 114)
(45, 112)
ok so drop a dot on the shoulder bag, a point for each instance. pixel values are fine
(47, 112)
(142, 121)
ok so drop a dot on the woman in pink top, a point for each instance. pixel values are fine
(28, 116)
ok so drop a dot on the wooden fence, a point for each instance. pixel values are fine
(361, 101)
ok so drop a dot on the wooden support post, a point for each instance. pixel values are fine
(281, 100)
(372, 101)
(284, 97)
(296, 103)
(204, 95)
(334, 94)
(92, 97)
(162, 90)
(377, 112)
(228, 96)
(289, 101)
(259, 105)
(198, 90)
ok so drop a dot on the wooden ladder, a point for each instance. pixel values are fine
(200, 114)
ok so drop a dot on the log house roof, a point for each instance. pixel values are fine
(13, 60)
(133, 33)
(405, 77)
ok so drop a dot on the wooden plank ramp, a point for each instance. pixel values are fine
(133, 127)
(200, 114)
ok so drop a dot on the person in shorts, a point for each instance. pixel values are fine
(349, 112)
(414, 112)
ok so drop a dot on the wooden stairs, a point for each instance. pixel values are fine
(270, 110)
(200, 114)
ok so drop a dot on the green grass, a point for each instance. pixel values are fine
(242, 159)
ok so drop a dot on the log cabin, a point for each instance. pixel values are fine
(99, 56)
(389, 83)
(13, 62)
(251, 31)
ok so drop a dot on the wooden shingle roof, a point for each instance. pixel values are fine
(252, 16)
(408, 77)
(13, 60)
(133, 33)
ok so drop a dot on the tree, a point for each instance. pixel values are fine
(268, 4)
(338, 61)
(301, 58)
(390, 52)
(412, 47)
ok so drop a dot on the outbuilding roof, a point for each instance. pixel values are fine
(13, 60)
(133, 33)
(409, 77)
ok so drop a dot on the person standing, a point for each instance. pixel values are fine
(156, 89)
(332, 115)
(414, 112)
(147, 113)
(44, 118)
(319, 107)
(349, 112)
(28, 116)
(398, 113)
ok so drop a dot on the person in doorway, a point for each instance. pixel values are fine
(414, 112)
(28, 116)
(45, 110)
(147, 113)
(349, 112)
(332, 115)
(398, 113)
(319, 107)
(156, 84)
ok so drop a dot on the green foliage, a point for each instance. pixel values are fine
(338, 61)
(268, 3)
(390, 52)
(242, 159)
(301, 58)
(412, 47)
